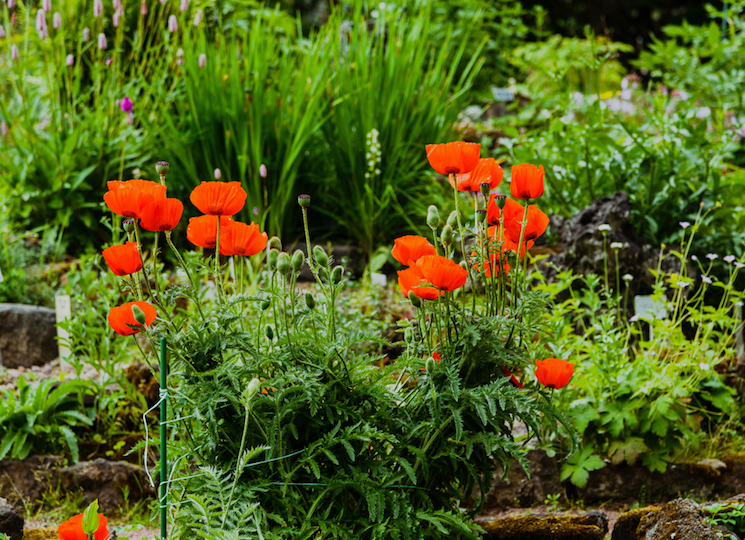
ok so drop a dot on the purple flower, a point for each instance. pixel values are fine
(41, 24)
(86, 34)
(184, 5)
(172, 24)
(255, 211)
(14, 52)
(126, 105)
(11, 4)
(705, 279)
(69, 60)
(180, 56)
(56, 20)
(738, 264)
(684, 224)
(712, 256)
(198, 17)
(218, 174)
(634, 318)
(729, 258)
(143, 8)
(102, 41)
(738, 304)
(47, 5)
(115, 19)
(97, 8)
(262, 170)
(202, 60)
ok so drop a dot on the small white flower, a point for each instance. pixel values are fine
(684, 224)
(694, 258)
(704, 367)
(712, 256)
(604, 228)
(729, 258)
(738, 264)
(634, 318)
(706, 279)
(627, 277)
(682, 284)
(616, 245)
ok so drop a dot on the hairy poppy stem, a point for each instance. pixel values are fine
(463, 241)
(189, 276)
(520, 248)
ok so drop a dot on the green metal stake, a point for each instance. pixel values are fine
(163, 441)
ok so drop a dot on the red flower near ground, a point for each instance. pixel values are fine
(553, 372)
(537, 221)
(526, 181)
(72, 529)
(129, 199)
(411, 279)
(454, 157)
(123, 259)
(202, 230)
(162, 215)
(122, 320)
(218, 198)
(242, 239)
(492, 262)
(516, 383)
(487, 171)
(442, 273)
(512, 209)
(408, 249)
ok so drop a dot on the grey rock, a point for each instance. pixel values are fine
(22, 482)
(681, 518)
(516, 489)
(10, 522)
(27, 335)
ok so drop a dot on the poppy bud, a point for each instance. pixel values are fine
(453, 219)
(273, 256)
(283, 263)
(303, 201)
(481, 215)
(128, 225)
(162, 168)
(269, 332)
(265, 303)
(336, 274)
(485, 188)
(430, 364)
(446, 237)
(408, 335)
(323, 273)
(433, 217)
(139, 315)
(320, 255)
(500, 201)
(275, 243)
(253, 387)
(298, 259)
(414, 299)
(310, 301)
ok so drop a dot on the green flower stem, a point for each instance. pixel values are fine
(519, 249)
(218, 285)
(238, 462)
(461, 231)
(193, 283)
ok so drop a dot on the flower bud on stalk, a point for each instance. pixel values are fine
(265, 303)
(415, 300)
(139, 315)
(269, 332)
(128, 225)
(336, 275)
(310, 301)
(283, 263)
(273, 258)
(303, 201)
(433, 217)
(275, 243)
(162, 167)
(446, 237)
(298, 259)
(453, 219)
(430, 364)
(320, 256)
(408, 335)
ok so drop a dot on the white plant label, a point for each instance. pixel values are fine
(62, 307)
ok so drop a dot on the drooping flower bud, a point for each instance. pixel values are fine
(269, 331)
(336, 274)
(430, 364)
(275, 243)
(253, 387)
(446, 237)
(283, 263)
(139, 315)
(433, 217)
(408, 335)
(309, 300)
(273, 258)
(414, 299)
(453, 219)
(162, 167)
(266, 303)
(303, 200)
(319, 254)
(298, 259)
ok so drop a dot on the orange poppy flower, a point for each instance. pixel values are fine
(202, 230)
(512, 210)
(526, 181)
(122, 320)
(537, 221)
(72, 529)
(454, 157)
(218, 198)
(491, 262)
(162, 215)
(411, 279)
(408, 249)
(123, 259)
(242, 239)
(487, 171)
(508, 244)
(553, 372)
(442, 273)
(128, 199)
(516, 383)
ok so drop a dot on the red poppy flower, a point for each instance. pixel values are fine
(218, 198)
(492, 262)
(526, 181)
(242, 239)
(123, 259)
(512, 209)
(202, 230)
(408, 249)
(411, 279)
(122, 320)
(454, 157)
(128, 199)
(487, 171)
(537, 221)
(72, 529)
(442, 273)
(513, 379)
(436, 356)
(162, 215)
(553, 372)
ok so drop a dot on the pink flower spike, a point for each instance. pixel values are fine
(184, 5)
(3, 129)
(143, 8)
(13, 19)
(115, 19)
(86, 34)
(172, 24)
(56, 20)
(47, 5)
(69, 60)
(11, 4)
(109, 60)
(2, 32)
(117, 4)
(102, 41)
(180, 56)
(262, 170)
(97, 8)
(130, 119)
(218, 174)
(202, 60)
(41, 21)
(126, 105)
(198, 17)
(14, 52)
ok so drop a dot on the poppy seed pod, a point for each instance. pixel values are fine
(453, 219)
(310, 301)
(298, 259)
(265, 303)
(303, 201)
(433, 217)
(269, 331)
(162, 168)
(336, 274)
(500, 201)
(481, 215)
(283, 263)
(414, 299)
(272, 259)
(446, 237)
(138, 314)
(485, 188)
(275, 243)
(128, 225)
(319, 254)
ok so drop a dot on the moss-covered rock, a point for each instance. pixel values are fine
(681, 518)
(43, 533)
(627, 523)
(590, 526)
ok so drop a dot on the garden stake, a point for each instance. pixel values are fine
(163, 441)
